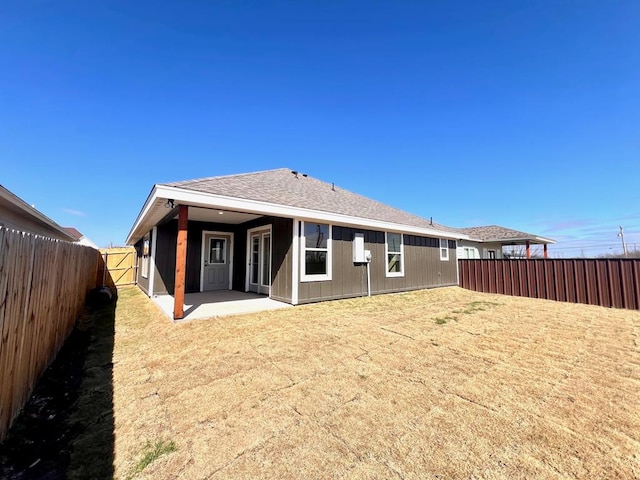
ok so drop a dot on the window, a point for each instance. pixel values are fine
(469, 252)
(492, 254)
(217, 251)
(145, 257)
(444, 249)
(395, 257)
(316, 252)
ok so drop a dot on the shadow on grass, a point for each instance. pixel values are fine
(66, 428)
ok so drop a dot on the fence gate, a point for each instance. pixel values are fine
(121, 265)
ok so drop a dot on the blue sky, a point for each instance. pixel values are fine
(522, 114)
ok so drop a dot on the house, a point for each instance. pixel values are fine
(79, 237)
(17, 214)
(488, 242)
(286, 235)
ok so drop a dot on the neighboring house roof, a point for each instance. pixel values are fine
(496, 233)
(73, 232)
(26, 218)
(79, 237)
(287, 193)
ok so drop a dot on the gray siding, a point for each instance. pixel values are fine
(281, 263)
(422, 267)
(164, 281)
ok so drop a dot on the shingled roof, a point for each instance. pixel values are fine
(496, 233)
(286, 187)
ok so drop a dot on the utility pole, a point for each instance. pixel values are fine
(624, 245)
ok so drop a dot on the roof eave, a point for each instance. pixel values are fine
(203, 199)
(28, 209)
(533, 238)
(144, 210)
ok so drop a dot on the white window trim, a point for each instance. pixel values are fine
(444, 257)
(303, 250)
(263, 229)
(386, 256)
(152, 265)
(144, 260)
(295, 256)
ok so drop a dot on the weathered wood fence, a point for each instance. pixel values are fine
(121, 264)
(43, 287)
(605, 282)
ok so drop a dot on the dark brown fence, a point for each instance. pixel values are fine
(605, 282)
(43, 286)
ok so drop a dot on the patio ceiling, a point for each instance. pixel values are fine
(199, 214)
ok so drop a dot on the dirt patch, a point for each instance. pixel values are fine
(70, 413)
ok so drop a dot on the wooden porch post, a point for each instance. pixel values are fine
(546, 251)
(528, 249)
(181, 262)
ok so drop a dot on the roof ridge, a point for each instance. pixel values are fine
(201, 179)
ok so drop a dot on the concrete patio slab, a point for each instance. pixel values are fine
(218, 303)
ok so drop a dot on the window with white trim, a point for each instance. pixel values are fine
(145, 257)
(394, 254)
(316, 252)
(444, 249)
(469, 252)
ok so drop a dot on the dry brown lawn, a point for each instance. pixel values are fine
(442, 383)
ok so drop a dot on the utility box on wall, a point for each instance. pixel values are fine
(359, 255)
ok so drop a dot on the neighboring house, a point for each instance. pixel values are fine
(80, 238)
(488, 242)
(286, 235)
(17, 214)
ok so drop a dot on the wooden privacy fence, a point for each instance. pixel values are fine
(120, 263)
(605, 282)
(43, 287)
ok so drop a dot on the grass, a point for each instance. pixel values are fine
(377, 388)
(152, 451)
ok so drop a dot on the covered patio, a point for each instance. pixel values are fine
(218, 304)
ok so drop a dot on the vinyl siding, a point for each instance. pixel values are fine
(422, 267)
(481, 250)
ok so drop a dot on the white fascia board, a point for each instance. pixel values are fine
(145, 210)
(537, 240)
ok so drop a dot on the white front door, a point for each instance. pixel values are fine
(216, 260)
(260, 262)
